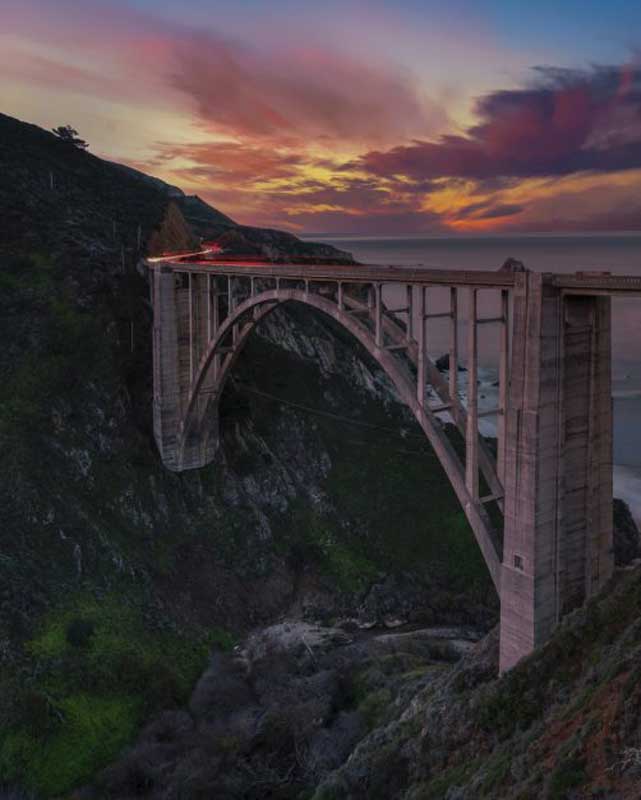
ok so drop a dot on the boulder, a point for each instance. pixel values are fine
(443, 364)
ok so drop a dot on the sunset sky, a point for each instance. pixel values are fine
(350, 117)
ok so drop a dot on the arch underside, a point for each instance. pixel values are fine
(198, 430)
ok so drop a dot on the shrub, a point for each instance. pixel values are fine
(80, 631)
(35, 712)
(94, 731)
(568, 775)
(107, 669)
(374, 706)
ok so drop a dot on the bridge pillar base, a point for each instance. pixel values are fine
(167, 396)
(557, 549)
(200, 446)
(179, 338)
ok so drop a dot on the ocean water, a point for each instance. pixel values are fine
(561, 253)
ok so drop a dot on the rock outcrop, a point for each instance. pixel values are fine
(281, 714)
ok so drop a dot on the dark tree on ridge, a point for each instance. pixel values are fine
(70, 135)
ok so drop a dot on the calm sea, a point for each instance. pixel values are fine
(619, 254)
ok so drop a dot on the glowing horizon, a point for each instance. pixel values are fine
(353, 118)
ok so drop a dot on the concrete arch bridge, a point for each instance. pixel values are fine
(551, 477)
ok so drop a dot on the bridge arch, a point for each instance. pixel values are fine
(552, 475)
(198, 426)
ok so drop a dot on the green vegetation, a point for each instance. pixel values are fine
(97, 668)
(523, 694)
(66, 345)
(326, 793)
(397, 509)
(91, 732)
(566, 776)
(496, 769)
(374, 706)
(311, 536)
(438, 788)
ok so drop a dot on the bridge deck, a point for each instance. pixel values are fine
(577, 283)
(357, 273)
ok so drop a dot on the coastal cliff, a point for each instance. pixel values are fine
(124, 588)
(118, 576)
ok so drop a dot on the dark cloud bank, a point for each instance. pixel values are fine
(567, 122)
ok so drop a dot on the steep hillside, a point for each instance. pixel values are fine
(116, 576)
(325, 506)
(211, 225)
(306, 712)
(563, 725)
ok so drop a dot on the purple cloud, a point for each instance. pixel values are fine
(569, 121)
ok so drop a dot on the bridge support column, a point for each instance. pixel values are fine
(167, 407)
(557, 548)
(586, 556)
(181, 331)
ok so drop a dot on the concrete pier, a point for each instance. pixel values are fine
(557, 544)
(168, 397)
